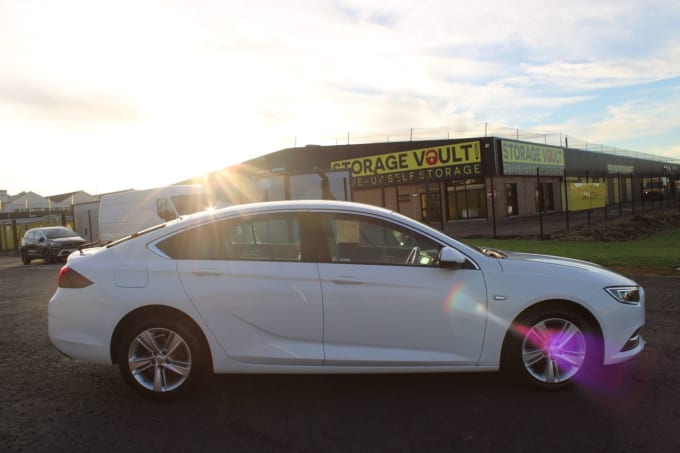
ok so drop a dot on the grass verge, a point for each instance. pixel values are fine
(655, 255)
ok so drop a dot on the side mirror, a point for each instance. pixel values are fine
(164, 210)
(42, 239)
(450, 257)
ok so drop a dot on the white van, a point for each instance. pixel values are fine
(123, 213)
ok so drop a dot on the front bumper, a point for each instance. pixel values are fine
(623, 340)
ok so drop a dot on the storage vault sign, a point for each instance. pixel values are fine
(452, 161)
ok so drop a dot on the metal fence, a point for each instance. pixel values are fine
(586, 198)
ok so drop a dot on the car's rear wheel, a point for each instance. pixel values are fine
(160, 358)
(552, 348)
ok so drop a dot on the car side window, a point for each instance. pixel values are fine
(259, 238)
(266, 238)
(366, 240)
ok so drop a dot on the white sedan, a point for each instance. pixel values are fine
(334, 287)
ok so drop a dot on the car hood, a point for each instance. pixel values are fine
(548, 264)
(550, 259)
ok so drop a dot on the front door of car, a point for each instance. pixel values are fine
(248, 281)
(37, 243)
(388, 303)
(27, 243)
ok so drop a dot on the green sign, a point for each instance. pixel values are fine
(521, 158)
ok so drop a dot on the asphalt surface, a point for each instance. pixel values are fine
(52, 403)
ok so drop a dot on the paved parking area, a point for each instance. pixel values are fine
(51, 403)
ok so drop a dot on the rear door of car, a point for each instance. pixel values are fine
(34, 244)
(247, 278)
(388, 303)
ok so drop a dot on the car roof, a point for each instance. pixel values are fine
(265, 206)
(195, 219)
(190, 220)
(309, 204)
(51, 228)
(278, 206)
(55, 227)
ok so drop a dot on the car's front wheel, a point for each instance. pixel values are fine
(24, 258)
(47, 256)
(160, 358)
(553, 347)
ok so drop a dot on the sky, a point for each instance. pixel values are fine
(105, 96)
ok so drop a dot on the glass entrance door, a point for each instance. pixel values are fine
(466, 199)
(431, 206)
(512, 207)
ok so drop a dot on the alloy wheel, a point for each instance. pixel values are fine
(159, 359)
(554, 350)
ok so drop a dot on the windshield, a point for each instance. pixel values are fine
(58, 233)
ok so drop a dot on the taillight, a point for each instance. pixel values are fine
(68, 278)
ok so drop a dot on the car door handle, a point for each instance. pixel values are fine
(347, 281)
(206, 274)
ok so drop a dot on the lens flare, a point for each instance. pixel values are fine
(557, 350)
(458, 300)
(554, 350)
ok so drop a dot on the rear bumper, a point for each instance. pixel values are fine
(79, 330)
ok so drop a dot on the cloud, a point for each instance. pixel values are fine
(670, 151)
(602, 74)
(75, 109)
(226, 81)
(636, 119)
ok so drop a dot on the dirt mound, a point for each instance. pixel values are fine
(638, 226)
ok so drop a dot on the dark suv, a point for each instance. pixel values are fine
(49, 243)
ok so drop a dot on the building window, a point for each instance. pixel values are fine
(466, 199)
(512, 208)
(431, 206)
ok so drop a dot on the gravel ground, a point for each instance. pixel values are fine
(51, 403)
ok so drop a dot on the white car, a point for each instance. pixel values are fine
(334, 287)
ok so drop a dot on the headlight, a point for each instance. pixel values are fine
(625, 294)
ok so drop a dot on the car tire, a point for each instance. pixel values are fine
(161, 358)
(25, 259)
(552, 348)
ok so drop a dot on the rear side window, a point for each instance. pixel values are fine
(259, 238)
